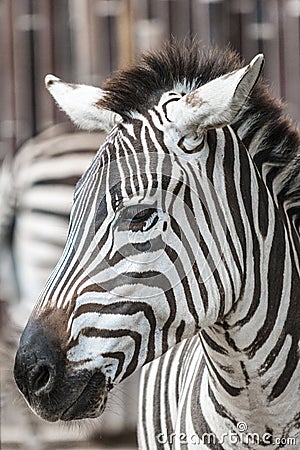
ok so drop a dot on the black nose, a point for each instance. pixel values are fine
(36, 362)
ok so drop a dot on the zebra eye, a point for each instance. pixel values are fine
(142, 216)
(138, 218)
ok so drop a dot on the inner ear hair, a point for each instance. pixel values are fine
(192, 142)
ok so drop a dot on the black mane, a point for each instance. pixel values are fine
(140, 87)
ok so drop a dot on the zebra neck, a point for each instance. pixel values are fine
(252, 384)
(273, 142)
(251, 354)
(252, 357)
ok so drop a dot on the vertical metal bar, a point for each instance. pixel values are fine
(149, 9)
(125, 32)
(235, 26)
(22, 21)
(190, 19)
(44, 64)
(281, 49)
(170, 18)
(81, 39)
(8, 108)
(32, 69)
(259, 21)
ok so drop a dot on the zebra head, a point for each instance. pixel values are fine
(145, 264)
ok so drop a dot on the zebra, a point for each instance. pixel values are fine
(36, 197)
(36, 194)
(182, 256)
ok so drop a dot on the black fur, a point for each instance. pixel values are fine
(139, 87)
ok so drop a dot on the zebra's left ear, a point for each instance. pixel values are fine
(217, 103)
(80, 103)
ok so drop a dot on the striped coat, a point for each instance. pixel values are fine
(183, 246)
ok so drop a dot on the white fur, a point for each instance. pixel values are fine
(216, 103)
(79, 102)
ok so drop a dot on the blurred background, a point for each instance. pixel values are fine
(84, 41)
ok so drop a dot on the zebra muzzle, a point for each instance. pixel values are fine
(53, 389)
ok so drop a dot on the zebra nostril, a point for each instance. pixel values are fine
(42, 379)
(38, 362)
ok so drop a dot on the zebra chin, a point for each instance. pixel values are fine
(89, 404)
(54, 388)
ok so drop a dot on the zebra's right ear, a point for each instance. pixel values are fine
(79, 102)
(216, 103)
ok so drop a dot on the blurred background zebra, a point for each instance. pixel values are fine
(35, 201)
(36, 198)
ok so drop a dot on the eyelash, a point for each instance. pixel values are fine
(138, 219)
(143, 215)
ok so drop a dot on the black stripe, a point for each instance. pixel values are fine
(213, 344)
(49, 212)
(200, 425)
(96, 332)
(60, 181)
(233, 391)
(120, 357)
(275, 285)
(124, 308)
